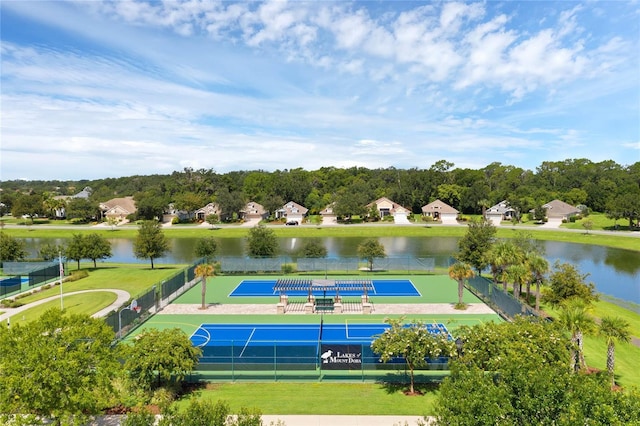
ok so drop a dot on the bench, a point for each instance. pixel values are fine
(323, 305)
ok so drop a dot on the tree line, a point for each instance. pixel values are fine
(601, 186)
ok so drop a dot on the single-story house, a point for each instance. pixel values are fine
(559, 210)
(292, 212)
(209, 209)
(118, 208)
(253, 210)
(439, 210)
(499, 212)
(386, 207)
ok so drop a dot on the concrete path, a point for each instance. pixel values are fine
(266, 309)
(122, 298)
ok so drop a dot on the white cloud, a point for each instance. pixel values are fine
(234, 85)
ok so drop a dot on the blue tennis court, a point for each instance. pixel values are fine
(346, 288)
(292, 344)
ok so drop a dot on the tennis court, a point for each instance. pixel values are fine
(338, 346)
(318, 288)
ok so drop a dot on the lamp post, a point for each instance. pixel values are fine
(132, 307)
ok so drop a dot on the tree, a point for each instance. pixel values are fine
(459, 272)
(565, 282)
(500, 257)
(518, 274)
(96, 247)
(81, 209)
(11, 249)
(207, 248)
(75, 249)
(313, 248)
(517, 374)
(574, 317)
(371, 249)
(614, 329)
(158, 357)
(150, 205)
(475, 244)
(212, 219)
(587, 224)
(262, 242)
(203, 271)
(61, 366)
(412, 342)
(151, 242)
(538, 266)
(50, 251)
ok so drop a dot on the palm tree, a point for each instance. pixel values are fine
(460, 271)
(614, 329)
(538, 266)
(518, 274)
(503, 254)
(575, 318)
(203, 271)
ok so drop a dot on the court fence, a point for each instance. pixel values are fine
(499, 300)
(152, 300)
(36, 272)
(348, 265)
(306, 361)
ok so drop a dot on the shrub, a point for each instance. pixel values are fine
(288, 268)
(175, 220)
(77, 275)
(140, 417)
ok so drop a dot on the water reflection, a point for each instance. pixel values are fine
(614, 271)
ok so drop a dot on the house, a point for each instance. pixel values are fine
(559, 210)
(292, 212)
(328, 214)
(253, 211)
(386, 207)
(499, 212)
(209, 209)
(60, 211)
(439, 210)
(118, 208)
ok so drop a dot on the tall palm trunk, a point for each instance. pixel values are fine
(204, 291)
(611, 361)
(579, 340)
(537, 295)
(460, 291)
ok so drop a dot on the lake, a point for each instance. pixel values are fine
(614, 272)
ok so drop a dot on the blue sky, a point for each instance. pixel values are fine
(96, 89)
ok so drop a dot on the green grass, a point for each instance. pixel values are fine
(133, 278)
(321, 398)
(627, 354)
(73, 304)
(600, 222)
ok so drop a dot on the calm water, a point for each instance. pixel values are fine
(615, 272)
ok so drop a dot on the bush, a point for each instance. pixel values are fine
(140, 417)
(175, 220)
(77, 275)
(287, 268)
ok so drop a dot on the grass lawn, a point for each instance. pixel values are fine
(133, 278)
(73, 304)
(627, 354)
(321, 398)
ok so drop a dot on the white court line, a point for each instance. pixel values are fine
(208, 336)
(247, 343)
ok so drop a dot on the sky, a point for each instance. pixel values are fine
(97, 89)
